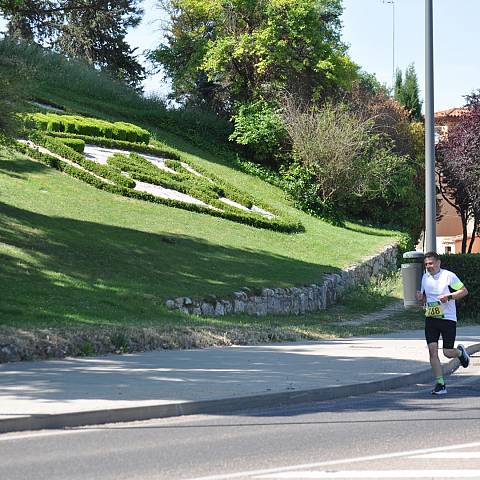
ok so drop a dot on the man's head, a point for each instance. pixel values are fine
(432, 262)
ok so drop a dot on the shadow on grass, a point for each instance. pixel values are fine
(367, 230)
(62, 271)
(16, 168)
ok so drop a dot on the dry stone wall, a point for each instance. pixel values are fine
(295, 300)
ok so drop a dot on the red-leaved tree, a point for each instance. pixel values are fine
(458, 168)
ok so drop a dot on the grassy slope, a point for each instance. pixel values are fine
(72, 254)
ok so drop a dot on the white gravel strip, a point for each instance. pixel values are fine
(234, 204)
(66, 160)
(167, 193)
(262, 212)
(255, 209)
(101, 155)
(186, 166)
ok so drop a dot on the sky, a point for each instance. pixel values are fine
(368, 30)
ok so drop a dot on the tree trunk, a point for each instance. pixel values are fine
(474, 234)
(465, 232)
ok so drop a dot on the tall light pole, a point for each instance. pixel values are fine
(430, 190)
(392, 3)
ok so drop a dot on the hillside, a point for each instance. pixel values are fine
(76, 255)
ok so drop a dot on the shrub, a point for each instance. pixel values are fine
(90, 127)
(11, 91)
(56, 146)
(74, 143)
(466, 266)
(161, 150)
(259, 126)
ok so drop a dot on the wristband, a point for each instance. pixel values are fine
(450, 297)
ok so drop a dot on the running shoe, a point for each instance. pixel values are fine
(464, 358)
(439, 389)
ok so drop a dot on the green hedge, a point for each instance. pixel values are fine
(56, 146)
(75, 124)
(185, 182)
(163, 151)
(62, 166)
(74, 143)
(467, 268)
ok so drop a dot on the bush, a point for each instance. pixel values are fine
(466, 267)
(56, 146)
(161, 150)
(259, 127)
(89, 127)
(346, 167)
(11, 92)
(74, 143)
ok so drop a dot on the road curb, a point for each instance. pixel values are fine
(220, 406)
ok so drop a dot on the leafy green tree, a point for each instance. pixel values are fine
(92, 30)
(407, 92)
(258, 125)
(221, 52)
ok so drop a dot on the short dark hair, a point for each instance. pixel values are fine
(434, 255)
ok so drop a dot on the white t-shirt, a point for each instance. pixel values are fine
(435, 285)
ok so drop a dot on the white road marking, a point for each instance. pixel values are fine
(456, 474)
(449, 455)
(407, 453)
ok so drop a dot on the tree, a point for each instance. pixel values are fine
(248, 50)
(92, 30)
(407, 92)
(98, 36)
(340, 159)
(458, 168)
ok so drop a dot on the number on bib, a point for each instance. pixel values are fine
(434, 310)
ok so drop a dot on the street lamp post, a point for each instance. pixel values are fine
(430, 184)
(392, 3)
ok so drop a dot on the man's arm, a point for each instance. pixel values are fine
(462, 292)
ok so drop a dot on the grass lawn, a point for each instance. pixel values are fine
(74, 255)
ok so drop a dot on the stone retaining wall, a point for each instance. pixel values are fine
(295, 300)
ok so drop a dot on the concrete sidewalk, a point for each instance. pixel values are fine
(115, 388)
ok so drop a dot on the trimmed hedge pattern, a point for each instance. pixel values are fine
(75, 124)
(229, 213)
(58, 147)
(163, 151)
(66, 136)
(467, 268)
(74, 143)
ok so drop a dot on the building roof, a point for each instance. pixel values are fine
(455, 112)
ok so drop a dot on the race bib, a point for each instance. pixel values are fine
(434, 310)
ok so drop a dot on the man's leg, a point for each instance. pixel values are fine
(460, 353)
(439, 388)
(449, 333)
(432, 335)
(434, 360)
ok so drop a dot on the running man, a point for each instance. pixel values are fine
(440, 288)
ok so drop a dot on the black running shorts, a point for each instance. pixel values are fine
(434, 327)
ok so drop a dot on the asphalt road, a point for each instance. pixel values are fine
(398, 434)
